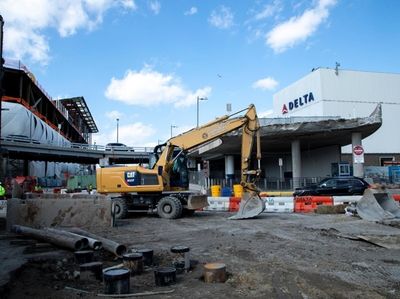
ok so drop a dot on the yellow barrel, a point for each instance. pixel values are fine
(216, 191)
(237, 190)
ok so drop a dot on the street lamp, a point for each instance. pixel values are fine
(172, 126)
(198, 100)
(117, 128)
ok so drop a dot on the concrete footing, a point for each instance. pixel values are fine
(48, 210)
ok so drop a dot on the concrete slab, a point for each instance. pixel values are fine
(60, 210)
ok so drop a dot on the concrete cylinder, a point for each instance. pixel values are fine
(229, 167)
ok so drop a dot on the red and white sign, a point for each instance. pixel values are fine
(358, 154)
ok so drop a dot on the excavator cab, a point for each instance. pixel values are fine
(178, 174)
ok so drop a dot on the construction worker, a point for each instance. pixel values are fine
(90, 188)
(38, 189)
(2, 192)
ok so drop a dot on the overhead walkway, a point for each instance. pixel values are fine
(31, 150)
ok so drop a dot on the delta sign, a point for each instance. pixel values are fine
(297, 103)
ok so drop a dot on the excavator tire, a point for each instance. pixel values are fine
(169, 207)
(121, 208)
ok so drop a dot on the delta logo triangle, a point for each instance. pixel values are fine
(284, 109)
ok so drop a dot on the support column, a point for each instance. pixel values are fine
(26, 168)
(358, 168)
(3, 165)
(296, 163)
(229, 169)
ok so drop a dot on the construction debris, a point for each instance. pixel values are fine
(378, 205)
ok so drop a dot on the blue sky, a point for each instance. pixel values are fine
(146, 61)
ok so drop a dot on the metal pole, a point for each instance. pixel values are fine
(117, 128)
(197, 112)
(172, 126)
(1, 90)
(198, 106)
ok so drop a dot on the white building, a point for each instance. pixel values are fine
(348, 94)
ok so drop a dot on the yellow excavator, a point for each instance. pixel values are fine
(164, 186)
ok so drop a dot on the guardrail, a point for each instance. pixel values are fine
(92, 147)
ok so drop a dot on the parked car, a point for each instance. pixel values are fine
(115, 146)
(335, 186)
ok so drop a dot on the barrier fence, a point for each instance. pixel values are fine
(298, 204)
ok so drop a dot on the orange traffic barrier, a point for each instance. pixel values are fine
(307, 204)
(396, 197)
(234, 204)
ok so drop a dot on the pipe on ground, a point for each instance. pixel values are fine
(111, 246)
(85, 241)
(49, 236)
(91, 242)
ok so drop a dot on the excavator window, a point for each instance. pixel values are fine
(179, 174)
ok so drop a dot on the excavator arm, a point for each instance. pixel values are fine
(251, 204)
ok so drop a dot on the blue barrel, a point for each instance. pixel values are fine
(226, 192)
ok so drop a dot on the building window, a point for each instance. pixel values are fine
(386, 160)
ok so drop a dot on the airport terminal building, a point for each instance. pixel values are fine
(348, 94)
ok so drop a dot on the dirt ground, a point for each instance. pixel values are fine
(273, 256)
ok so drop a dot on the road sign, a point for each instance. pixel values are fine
(358, 154)
(280, 162)
(358, 150)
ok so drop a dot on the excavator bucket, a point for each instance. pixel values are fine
(378, 206)
(251, 206)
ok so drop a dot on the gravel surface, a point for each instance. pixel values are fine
(273, 256)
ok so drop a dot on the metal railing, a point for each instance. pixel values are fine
(294, 119)
(20, 139)
(18, 65)
(264, 184)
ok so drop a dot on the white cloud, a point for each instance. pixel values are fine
(221, 18)
(128, 4)
(26, 21)
(268, 83)
(267, 113)
(191, 97)
(192, 11)
(155, 7)
(114, 114)
(298, 29)
(148, 87)
(135, 134)
(268, 10)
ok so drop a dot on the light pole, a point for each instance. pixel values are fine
(117, 128)
(172, 126)
(198, 100)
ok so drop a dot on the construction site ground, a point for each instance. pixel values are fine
(276, 255)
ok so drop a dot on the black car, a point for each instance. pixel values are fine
(335, 186)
